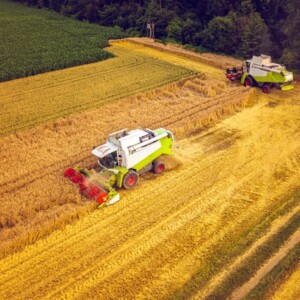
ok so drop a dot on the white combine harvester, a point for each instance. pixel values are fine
(262, 72)
(124, 156)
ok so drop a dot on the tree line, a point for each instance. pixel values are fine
(235, 27)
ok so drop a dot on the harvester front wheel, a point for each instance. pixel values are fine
(158, 167)
(130, 180)
(266, 89)
(249, 81)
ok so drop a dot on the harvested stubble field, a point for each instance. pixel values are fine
(173, 234)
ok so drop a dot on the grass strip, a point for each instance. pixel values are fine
(269, 284)
(236, 246)
(252, 264)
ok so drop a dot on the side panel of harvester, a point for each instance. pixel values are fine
(263, 76)
(262, 72)
(145, 153)
(160, 147)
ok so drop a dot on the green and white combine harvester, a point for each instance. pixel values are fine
(125, 156)
(262, 72)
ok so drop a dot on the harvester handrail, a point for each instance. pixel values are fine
(135, 147)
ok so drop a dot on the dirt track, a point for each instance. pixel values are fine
(242, 291)
(174, 232)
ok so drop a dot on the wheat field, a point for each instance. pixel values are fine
(175, 233)
(171, 235)
(29, 101)
(41, 154)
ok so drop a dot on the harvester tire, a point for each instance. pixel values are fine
(249, 81)
(266, 89)
(158, 167)
(130, 180)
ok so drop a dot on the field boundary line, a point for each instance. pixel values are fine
(139, 60)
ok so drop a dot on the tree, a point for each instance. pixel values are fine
(189, 29)
(174, 29)
(247, 7)
(42, 3)
(219, 7)
(291, 43)
(221, 34)
(55, 4)
(255, 38)
(91, 12)
(108, 15)
(160, 15)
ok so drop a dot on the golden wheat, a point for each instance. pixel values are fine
(32, 186)
(174, 232)
(193, 220)
(44, 97)
(219, 61)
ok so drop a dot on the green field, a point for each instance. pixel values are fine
(34, 41)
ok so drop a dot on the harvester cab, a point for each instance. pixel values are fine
(125, 156)
(262, 72)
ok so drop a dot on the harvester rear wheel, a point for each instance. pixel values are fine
(249, 81)
(130, 180)
(158, 167)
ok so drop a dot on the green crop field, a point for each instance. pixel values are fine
(35, 41)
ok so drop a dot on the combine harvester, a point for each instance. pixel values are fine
(262, 72)
(124, 156)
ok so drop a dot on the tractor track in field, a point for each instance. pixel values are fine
(274, 228)
(242, 291)
(77, 108)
